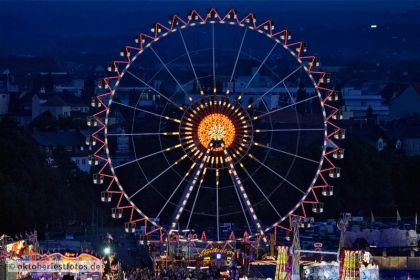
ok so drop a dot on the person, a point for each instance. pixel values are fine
(68, 277)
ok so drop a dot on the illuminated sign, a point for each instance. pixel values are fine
(216, 251)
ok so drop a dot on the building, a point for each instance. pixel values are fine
(411, 143)
(81, 159)
(275, 95)
(357, 102)
(71, 141)
(405, 103)
(75, 87)
(4, 103)
(58, 105)
(256, 85)
(409, 140)
(7, 89)
(404, 134)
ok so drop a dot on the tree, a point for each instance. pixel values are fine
(33, 194)
(88, 88)
(49, 83)
(370, 116)
(36, 83)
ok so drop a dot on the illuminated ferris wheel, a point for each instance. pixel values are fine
(216, 125)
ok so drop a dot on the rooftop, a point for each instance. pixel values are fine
(61, 99)
(60, 138)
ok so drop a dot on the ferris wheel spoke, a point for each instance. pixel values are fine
(147, 112)
(261, 65)
(217, 204)
(170, 73)
(143, 134)
(147, 156)
(240, 191)
(277, 174)
(189, 188)
(284, 152)
(214, 59)
(177, 187)
(259, 188)
(284, 107)
(288, 129)
(236, 61)
(196, 197)
(242, 207)
(277, 84)
(292, 99)
(191, 63)
(154, 89)
(158, 176)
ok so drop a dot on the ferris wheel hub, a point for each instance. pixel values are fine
(216, 127)
(216, 119)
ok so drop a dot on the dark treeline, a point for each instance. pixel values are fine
(381, 182)
(35, 195)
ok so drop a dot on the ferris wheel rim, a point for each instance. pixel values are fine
(321, 162)
(278, 42)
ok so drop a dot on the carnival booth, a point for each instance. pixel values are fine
(20, 259)
(54, 266)
(353, 265)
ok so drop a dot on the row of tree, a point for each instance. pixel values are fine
(381, 182)
(36, 195)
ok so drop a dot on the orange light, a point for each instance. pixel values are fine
(216, 127)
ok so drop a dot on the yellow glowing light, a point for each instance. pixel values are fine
(216, 127)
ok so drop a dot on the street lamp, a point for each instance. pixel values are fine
(107, 251)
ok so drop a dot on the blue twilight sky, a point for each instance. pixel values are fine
(30, 27)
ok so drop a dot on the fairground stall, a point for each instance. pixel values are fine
(20, 259)
(54, 266)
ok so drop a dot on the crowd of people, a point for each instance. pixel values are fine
(172, 272)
